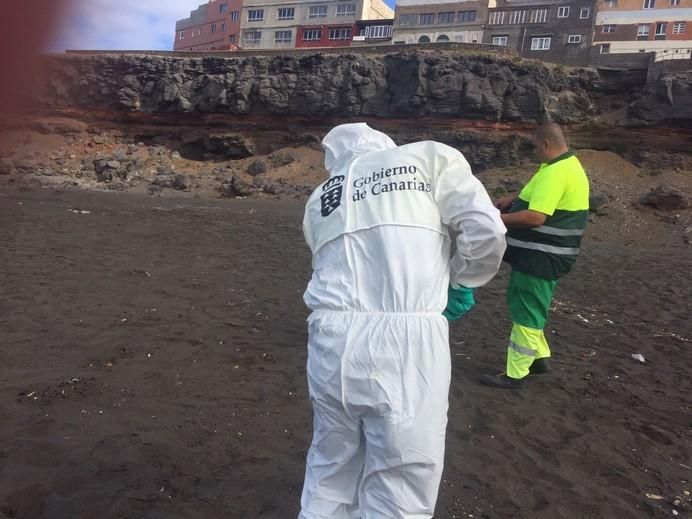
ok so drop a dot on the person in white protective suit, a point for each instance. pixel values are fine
(378, 350)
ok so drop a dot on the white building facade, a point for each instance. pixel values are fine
(276, 24)
(426, 21)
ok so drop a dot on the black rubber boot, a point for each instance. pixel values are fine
(539, 366)
(502, 381)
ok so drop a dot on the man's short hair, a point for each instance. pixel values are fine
(552, 133)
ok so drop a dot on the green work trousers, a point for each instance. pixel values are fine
(529, 299)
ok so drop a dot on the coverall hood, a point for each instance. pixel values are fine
(347, 141)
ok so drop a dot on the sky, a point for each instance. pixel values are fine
(123, 24)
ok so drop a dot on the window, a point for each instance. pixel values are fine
(679, 27)
(423, 39)
(223, 8)
(497, 18)
(223, 27)
(643, 31)
(317, 11)
(609, 28)
(255, 15)
(199, 32)
(253, 37)
(649, 4)
(407, 19)
(346, 10)
(540, 43)
(378, 31)
(517, 16)
(539, 16)
(661, 29)
(213, 28)
(446, 17)
(442, 38)
(467, 16)
(584, 13)
(500, 40)
(427, 18)
(343, 33)
(574, 38)
(231, 38)
(312, 34)
(235, 16)
(605, 48)
(282, 36)
(611, 4)
(673, 3)
(286, 13)
(563, 11)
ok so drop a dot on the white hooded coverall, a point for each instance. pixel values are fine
(378, 349)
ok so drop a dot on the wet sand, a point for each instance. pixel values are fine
(153, 365)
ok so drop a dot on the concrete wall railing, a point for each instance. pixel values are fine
(670, 54)
(370, 49)
(629, 60)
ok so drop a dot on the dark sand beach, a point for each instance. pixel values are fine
(152, 365)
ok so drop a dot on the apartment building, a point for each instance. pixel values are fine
(425, 21)
(558, 31)
(272, 24)
(212, 26)
(629, 26)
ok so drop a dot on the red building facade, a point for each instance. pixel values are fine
(313, 36)
(212, 26)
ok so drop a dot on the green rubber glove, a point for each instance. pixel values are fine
(459, 301)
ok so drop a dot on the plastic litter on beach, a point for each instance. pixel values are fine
(639, 357)
(672, 335)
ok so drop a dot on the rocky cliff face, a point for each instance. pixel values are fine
(419, 83)
(446, 84)
(666, 99)
(215, 112)
(251, 126)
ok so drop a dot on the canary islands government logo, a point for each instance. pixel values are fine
(333, 191)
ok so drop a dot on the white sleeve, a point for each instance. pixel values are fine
(466, 209)
(307, 227)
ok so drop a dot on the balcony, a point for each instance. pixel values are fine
(670, 54)
(375, 32)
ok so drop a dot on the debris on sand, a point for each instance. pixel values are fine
(665, 199)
